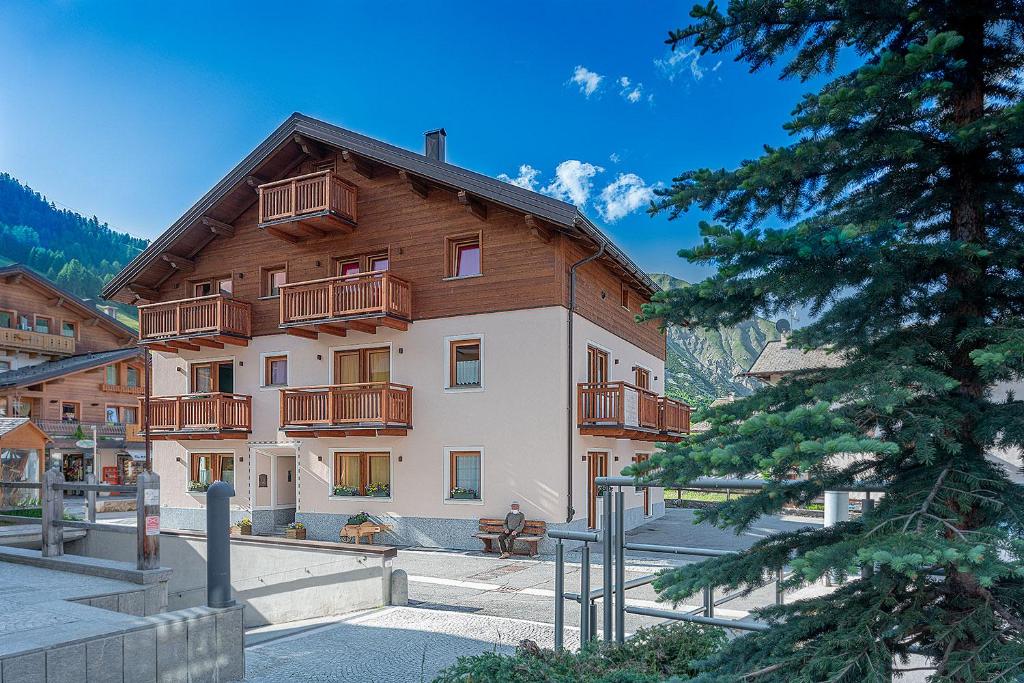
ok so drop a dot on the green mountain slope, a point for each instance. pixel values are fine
(702, 364)
(80, 254)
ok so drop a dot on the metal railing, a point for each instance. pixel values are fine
(52, 488)
(612, 594)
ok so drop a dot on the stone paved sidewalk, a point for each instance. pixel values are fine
(399, 644)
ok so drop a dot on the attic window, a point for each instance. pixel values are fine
(624, 296)
(326, 165)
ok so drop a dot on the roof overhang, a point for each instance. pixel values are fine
(562, 216)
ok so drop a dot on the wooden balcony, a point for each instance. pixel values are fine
(335, 305)
(190, 324)
(36, 342)
(199, 416)
(369, 409)
(623, 411)
(307, 206)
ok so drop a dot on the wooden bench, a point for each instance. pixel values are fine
(532, 534)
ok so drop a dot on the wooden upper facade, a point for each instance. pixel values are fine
(41, 320)
(321, 231)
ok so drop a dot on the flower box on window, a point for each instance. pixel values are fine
(346, 491)
(378, 490)
(464, 494)
(198, 487)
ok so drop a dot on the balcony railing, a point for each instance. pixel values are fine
(623, 410)
(65, 430)
(213, 414)
(212, 315)
(120, 389)
(27, 340)
(371, 405)
(377, 293)
(306, 195)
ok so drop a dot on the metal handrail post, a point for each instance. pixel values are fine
(867, 506)
(780, 595)
(620, 566)
(559, 595)
(709, 602)
(607, 561)
(584, 594)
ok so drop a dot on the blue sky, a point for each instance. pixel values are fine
(132, 111)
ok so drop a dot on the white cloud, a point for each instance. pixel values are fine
(588, 81)
(631, 92)
(573, 181)
(623, 196)
(614, 157)
(680, 62)
(527, 178)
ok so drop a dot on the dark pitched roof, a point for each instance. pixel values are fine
(9, 424)
(778, 358)
(561, 214)
(84, 306)
(34, 374)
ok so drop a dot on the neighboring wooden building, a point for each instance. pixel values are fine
(70, 369)
(332, 283)
(22, 451)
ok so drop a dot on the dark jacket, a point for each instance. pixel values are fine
(514, 521)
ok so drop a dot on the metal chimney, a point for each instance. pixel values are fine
(434, 144)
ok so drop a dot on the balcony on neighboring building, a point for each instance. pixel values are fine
(307, 206)
(32, 342)
(334, 305)
(366, 409)
(190, 324)
(199, 416)
(623, 411)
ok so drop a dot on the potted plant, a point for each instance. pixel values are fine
(197, 487)
(245, 527)
(459, 493)
(357, 519)
(345, 491)
(296, 530)
(378, 490)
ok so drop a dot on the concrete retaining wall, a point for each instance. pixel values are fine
(199, 644)
(278, 580)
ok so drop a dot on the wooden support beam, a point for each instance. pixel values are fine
(254, 181)
(309, 230)
(179, 262)
(300, 332)
(160, 347)
(537, 228)
(143, 292)
(309, 147)
(473, 205)
(208, 342)
(13, 279)
(282, 235)
(415, 183)
(92, 322)
(234, 341)
(182, 345)
(362, 166)
(394, 324)
(336, 330)
(218, 228)
(360, 326)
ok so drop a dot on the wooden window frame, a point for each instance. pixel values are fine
(7, 362)
(646, 490)
(120, 408)
(138, 375)
(266, 272)
(362, 261)
(364, 361)
(325, 165)
(337, 461)
(216, 465)
(455, 453)
(78, 409)
(639, 372)
(35, 323)
(451, 245)
(214, 282)
(74, 326)
(453, 345)
(14, 318)
(624, 296)
(214, 376)
(117, 374)
(267, 361)
(594, 353)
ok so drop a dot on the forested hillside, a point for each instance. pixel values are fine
(702, 364)
(78, 253)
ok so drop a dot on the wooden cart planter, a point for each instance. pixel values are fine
(364, 530)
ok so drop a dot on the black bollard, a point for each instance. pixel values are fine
(218, 545)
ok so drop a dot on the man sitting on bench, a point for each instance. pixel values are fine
(514, 523)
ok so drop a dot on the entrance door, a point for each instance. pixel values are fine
(597, 365)
(597, 466)
(73, 467)
(358, 366)
(639, 458)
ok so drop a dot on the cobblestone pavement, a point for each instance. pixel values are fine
(399, 644)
